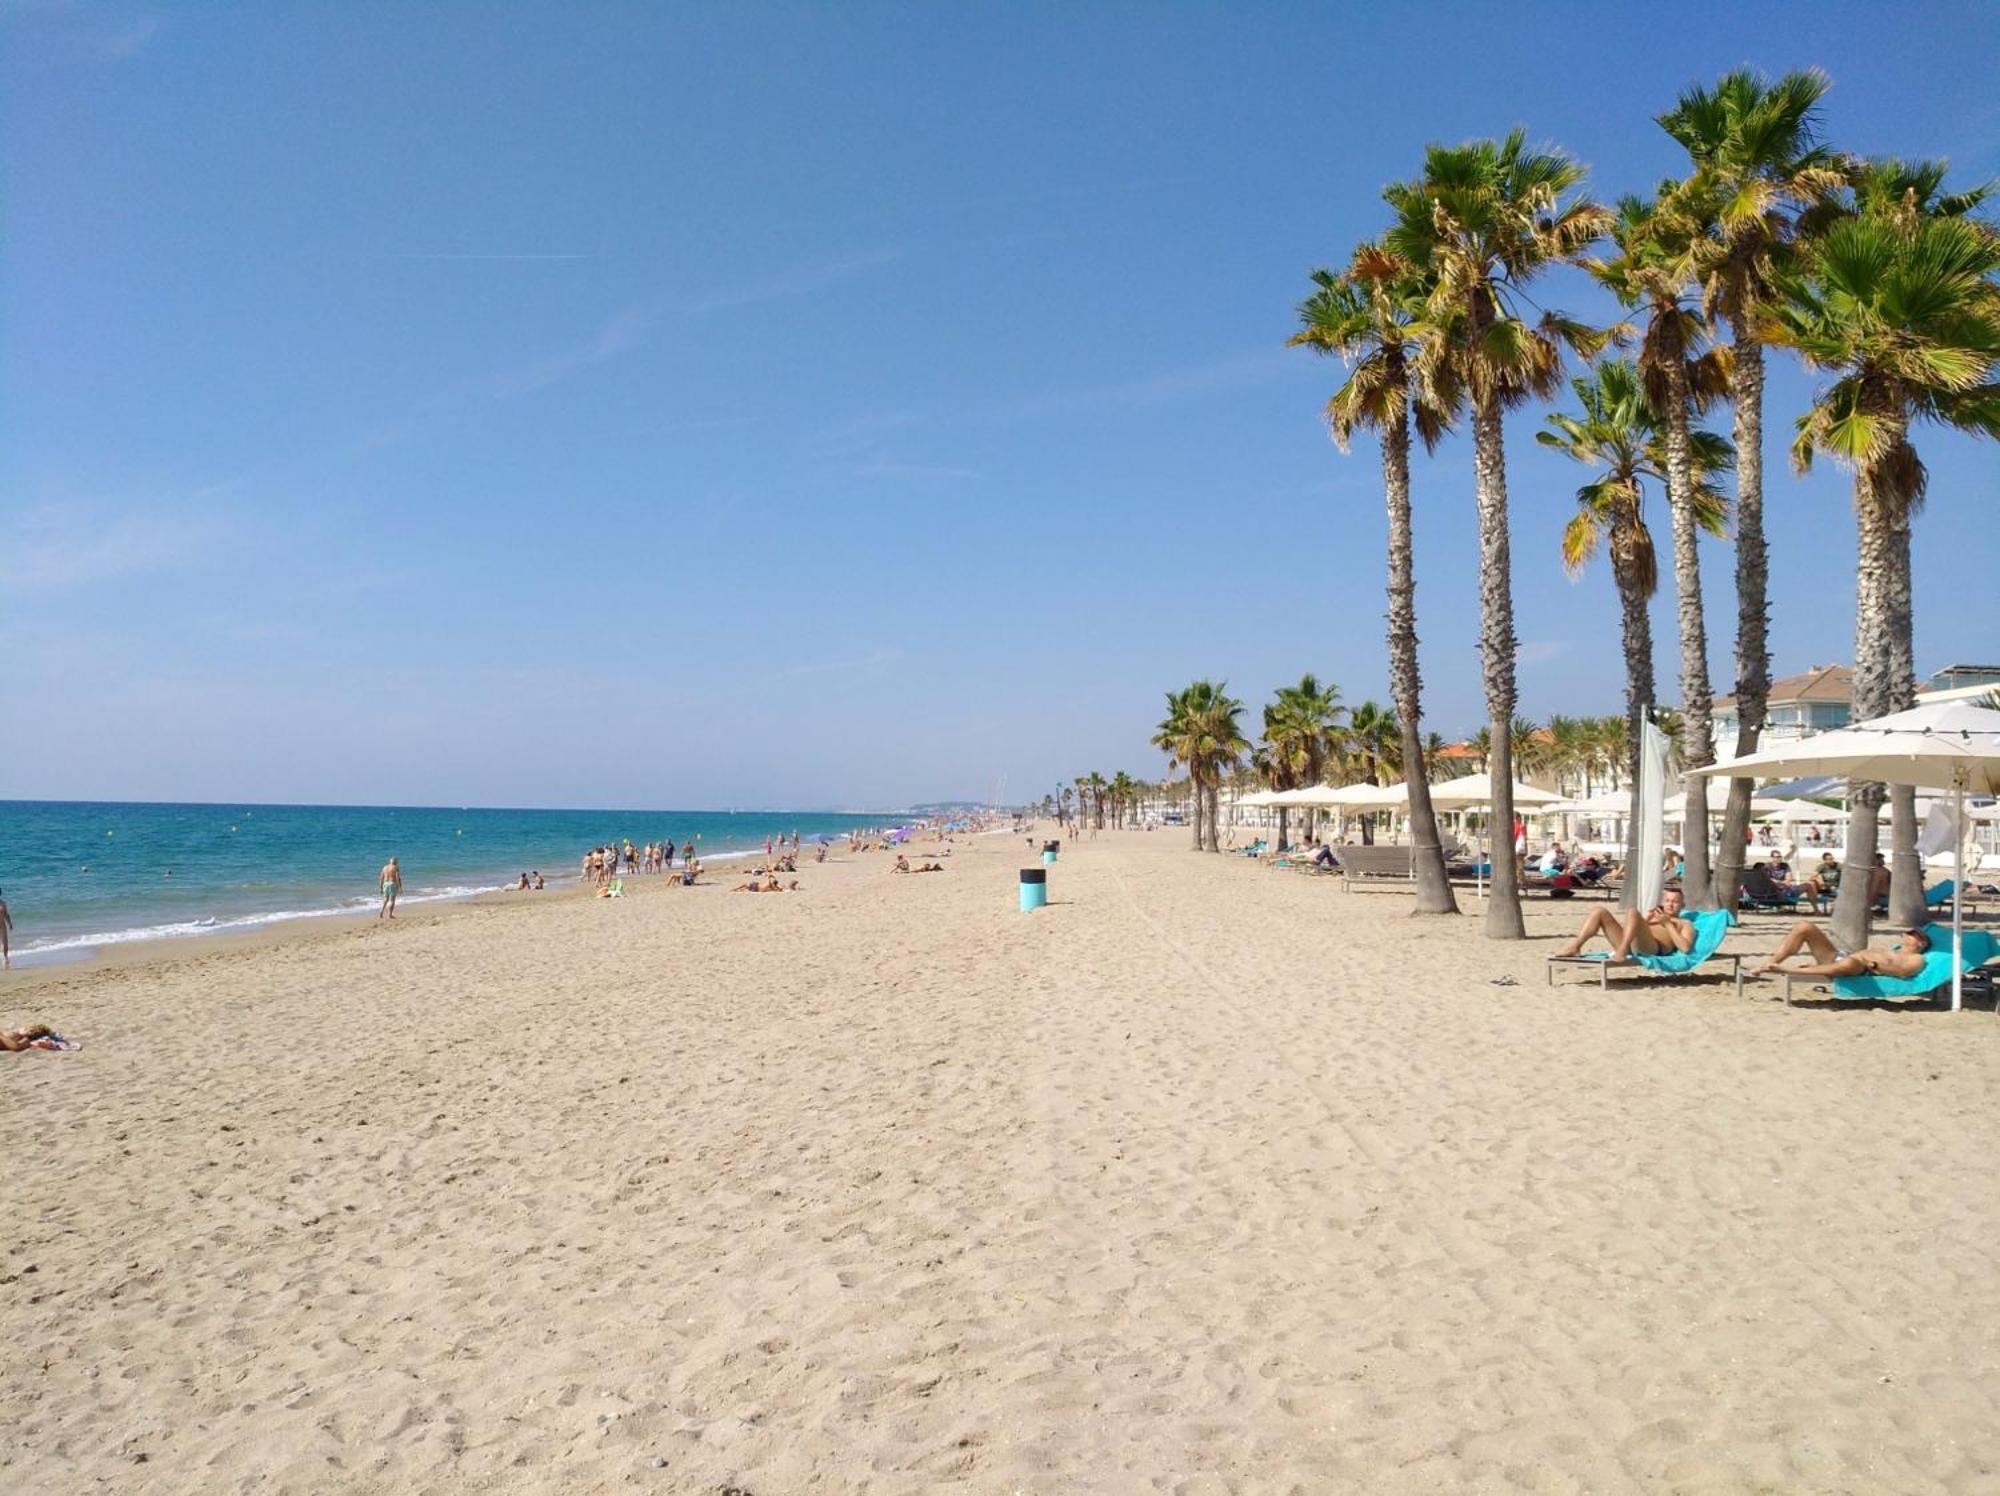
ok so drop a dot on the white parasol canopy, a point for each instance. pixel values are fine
(1347, 796)
(1952, 745)
(1477, 789)
(1603, 803)
(1798, 813)
(1676, 807)
(1260, 797)
(1371, 796)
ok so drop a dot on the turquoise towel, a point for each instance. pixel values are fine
(1980, 946)
(1710, 926)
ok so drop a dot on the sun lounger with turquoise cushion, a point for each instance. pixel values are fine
(1711, 927)
(1978, 947)
(1940, 895)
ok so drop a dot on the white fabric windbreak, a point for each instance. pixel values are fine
(1650, 876)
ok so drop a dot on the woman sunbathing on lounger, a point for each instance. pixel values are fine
(1902, 957)
(1658, 932)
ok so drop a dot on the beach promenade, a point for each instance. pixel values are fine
(1204, 1179)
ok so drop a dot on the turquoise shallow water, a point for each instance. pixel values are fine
(79, 875)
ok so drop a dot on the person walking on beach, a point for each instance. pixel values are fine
(392, 888)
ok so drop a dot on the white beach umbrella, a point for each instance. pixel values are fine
(1477, 789)
(1676, 806)
(1260, 798)
(1798, 812)
(1603, 803)
(1366, 796)
(1950, 745)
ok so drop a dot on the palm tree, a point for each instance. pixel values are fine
(1374, 741)
(1124, 794)
(1654, 269)
(1899, 300)
(1758, 165)
(1300, 728)
(1373, 316)
(1481, 744)
(1534, 749)
(1201, 731)
(1482, 221)
(1617, 430)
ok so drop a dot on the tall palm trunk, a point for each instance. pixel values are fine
(1197, 805)
(1753, 585)
(1284, 814)
(1496, 648)
(1434, 894)
(1638, 632)
(1906, 869)
(1873, 674)
(1698, 702)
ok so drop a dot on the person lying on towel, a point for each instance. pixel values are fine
(1660, 931)
(1902, 957)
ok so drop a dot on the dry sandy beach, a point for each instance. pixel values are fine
(1204, 1179)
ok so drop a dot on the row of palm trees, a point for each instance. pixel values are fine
(1869, 270)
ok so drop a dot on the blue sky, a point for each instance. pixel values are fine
(797, 405)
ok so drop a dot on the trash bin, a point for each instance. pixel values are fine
(1034, 888)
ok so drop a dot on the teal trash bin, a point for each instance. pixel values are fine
(1034, 888)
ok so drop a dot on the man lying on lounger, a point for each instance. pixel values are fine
(1902, 957)
(1658, 932)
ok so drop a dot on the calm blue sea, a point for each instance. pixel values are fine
(78, 875)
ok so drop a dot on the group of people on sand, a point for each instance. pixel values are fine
(1665, 929)
(902, 865)
(614, 859)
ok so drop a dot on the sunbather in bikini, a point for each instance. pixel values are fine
(1658, 932)
(1902, 957)
(38, 1036)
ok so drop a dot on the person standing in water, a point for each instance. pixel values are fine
(6, 936)
(392, 887)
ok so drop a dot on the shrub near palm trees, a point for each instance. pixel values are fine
(1373, 315)
(1617, 430)
(1201, 732)
(1758, 165)
(1900, 302)
(1482, 221)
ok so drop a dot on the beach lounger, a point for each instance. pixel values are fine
(1375, 867)
(1711, 926)
(1299, 862)
(1980, 946)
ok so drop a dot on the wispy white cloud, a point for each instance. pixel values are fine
(917, 471)
(630, 326)
(132, 38)
(1540, 651)
(882, 656)
(495, 255)
(798, 280)
(1168, 385)
(55, 548)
